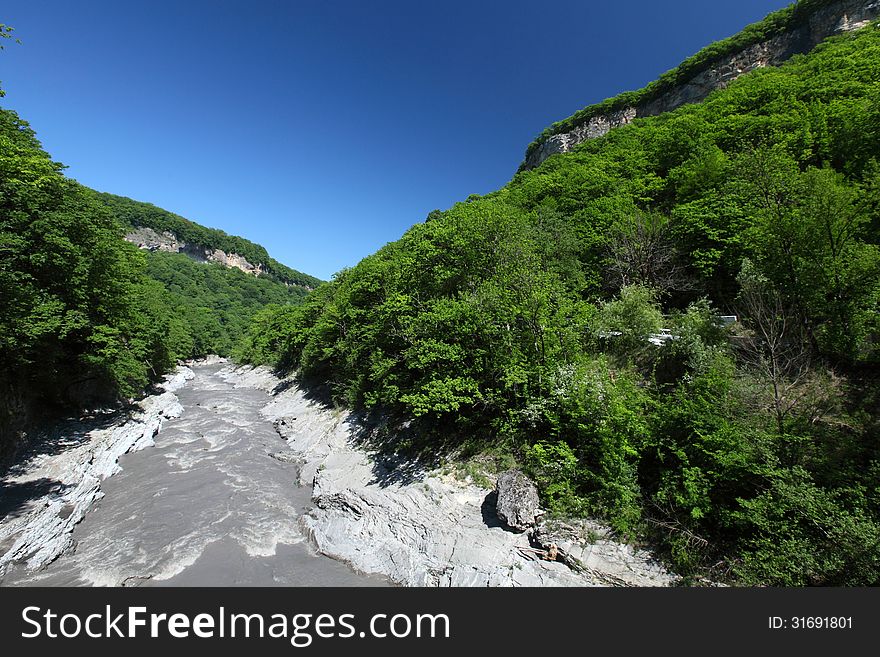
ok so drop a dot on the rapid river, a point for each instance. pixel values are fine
(206, 506)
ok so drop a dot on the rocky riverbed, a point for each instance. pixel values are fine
(57, 480)
(250, 480)
(419, 527)
(204, 505)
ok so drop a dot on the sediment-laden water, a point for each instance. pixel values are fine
(207, 505)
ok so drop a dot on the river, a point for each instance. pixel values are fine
(207, 506)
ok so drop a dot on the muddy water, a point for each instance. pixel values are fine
(206, 506)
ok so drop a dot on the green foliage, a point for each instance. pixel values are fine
(85, 316)
(796, 533)
(628, 320)
(216, 304)
(134, 214)
(268, 336)
(774, 24)
(78, 315)
(554, 468)
(600, 412)
(749, 449)
(5, 34)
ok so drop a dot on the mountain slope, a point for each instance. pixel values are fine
(784, 33)
(215, 282)
(86, 317)
(163, 230)
(569, 321)
(79, 319)
(217, 303)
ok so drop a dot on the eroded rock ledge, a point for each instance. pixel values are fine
(61, 477)
(423, 528)
(151, 240)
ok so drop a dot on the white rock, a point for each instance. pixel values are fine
(42, 533)
(428, 530)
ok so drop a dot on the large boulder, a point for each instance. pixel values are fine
(517, 499)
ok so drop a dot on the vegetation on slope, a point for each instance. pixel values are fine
(779, 22)
(85, 316)
(216, 303)
(520, 323)
(134, 214)
(78, 312)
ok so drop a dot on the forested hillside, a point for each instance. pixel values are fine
(134, 214)
(85, 316)
(80, 318)
(775, 24)
(216, 303)
(569, 321)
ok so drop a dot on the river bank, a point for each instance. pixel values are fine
(205, 505)
(253, 481)
(414, 526)
(58, 478)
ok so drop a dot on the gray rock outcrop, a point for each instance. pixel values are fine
(836, 18)
(415, 526)
(517, 500)
(87, 454)
(151, 240)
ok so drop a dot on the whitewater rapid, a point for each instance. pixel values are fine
(207, 505)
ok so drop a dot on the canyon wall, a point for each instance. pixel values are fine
(839, 17)
(147, 238)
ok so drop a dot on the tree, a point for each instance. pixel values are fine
(775, 346)
(629, 320)
(806, 239)
(5, 33)
(641, 251)
(840, 270)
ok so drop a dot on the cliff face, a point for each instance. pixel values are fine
(147, 238)
(839, 17)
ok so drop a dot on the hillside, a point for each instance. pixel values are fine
(80, 320)
(569, 323)
(86, 317)
(152, 227)
(215, 282)
(216, 302)
(793, 30)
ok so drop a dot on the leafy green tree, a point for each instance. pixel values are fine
(628, 321)
(5, 34)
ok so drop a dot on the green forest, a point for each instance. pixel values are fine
(216, 303)
(571, 323)
(88, 318)
(135, 214)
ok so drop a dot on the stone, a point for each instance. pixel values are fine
(518, 502)
(589, 548)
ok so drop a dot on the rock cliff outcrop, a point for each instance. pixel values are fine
(147, 238)
(835, 18)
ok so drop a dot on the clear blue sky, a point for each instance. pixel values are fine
(324, 129)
